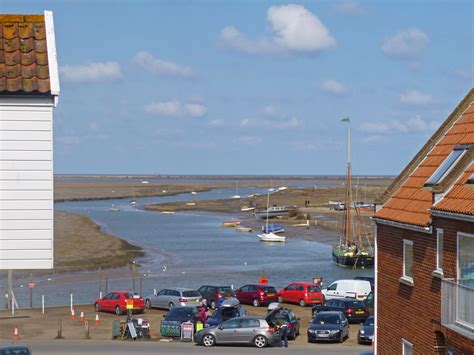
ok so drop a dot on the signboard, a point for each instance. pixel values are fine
(263, 281)
(187, 331)
(170, 328)
(129, 303)
(31, 285)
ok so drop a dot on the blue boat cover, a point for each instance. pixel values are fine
(272, 228)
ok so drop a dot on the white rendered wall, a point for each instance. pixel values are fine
(26, 183)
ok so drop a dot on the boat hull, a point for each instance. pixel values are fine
(271, 238)
(271, 214)
(362, 261)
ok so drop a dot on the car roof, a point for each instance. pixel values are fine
(180, 289)
(259, 285)
(329, 312)
(13, 347)
(214, 286)
(304, 283)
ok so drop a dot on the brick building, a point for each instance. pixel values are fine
(425, 246)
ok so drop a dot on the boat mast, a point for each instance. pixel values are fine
(348, 185)
(268, 206)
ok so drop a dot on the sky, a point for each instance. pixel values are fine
(253, 87)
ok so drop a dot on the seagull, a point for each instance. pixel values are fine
(245, 263)
(164, 268)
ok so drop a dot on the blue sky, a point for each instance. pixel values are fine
(253, 87)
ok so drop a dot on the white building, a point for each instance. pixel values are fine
(29, 89)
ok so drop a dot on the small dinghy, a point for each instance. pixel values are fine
(271, 237)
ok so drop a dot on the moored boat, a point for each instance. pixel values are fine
(230, 224)
(273, 228)
(243, 229)
(247, 209)
(273, 212)
(271, 237)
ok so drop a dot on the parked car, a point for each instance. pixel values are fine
(327, 326)
(214, 295)
(14, 349)
(303, 293)
(355, 311)
(257, 294)
(288, 317)
(369, 302)
(358, 289)
(244, 330)
(229, 309)
(182, 314)
(366, 331)
(367, 278)
(170, 297)
(117, 302)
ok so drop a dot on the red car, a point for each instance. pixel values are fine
(117, 302)
(301, 292)
(257, 294)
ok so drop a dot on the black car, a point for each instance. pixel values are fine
(369, 302)
(215, 294)
(14, 349)
(367, 278)
(328, 326)
(366, 331)
(230, 308)
(288, 317)
(355, 311)
(182, 314)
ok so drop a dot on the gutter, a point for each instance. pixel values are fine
(452, 215)
(412, 227)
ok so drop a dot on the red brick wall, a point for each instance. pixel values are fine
(408, 312)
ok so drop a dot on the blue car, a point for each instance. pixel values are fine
(328, 326)
(366, 332)
(230, 308)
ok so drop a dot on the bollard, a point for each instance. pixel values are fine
(73, 315)
(42, 304)
(16, 335)
(60, 330)
(72, 303)
(82, 319)
(86, 330)
(97, 320)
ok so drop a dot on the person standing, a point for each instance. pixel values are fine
(203, 314)
(283, 330)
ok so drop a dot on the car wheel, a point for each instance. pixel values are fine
(171, 305)
(280, 299)
(213, 304)
(97, 307)
(302, 303)
(260, 341)
(208, 340)
(118, 311)
(148, 304)
(256, 303)
(341, 338)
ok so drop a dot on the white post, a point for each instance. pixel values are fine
(100, 294)
(13, 307)
(72, 303)
(42, 303)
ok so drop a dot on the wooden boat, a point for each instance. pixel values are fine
(247, 209)
(352, 252)
(271, 237)
(243, 229)
(230, 224)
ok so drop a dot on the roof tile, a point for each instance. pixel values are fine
(10, 45)
(42, 71)
(10, 30)
(27, 44)
(39, 30)
(12, 58)
(29, 58)
(25, 30)
(28, 71)
(30, 85)
(40, 45)
(14, 84)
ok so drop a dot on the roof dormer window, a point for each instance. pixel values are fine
(447, 165)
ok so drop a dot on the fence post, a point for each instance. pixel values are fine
(72, 302)
(134, 276)
(86, 330)
(60, 330)
(42, 303)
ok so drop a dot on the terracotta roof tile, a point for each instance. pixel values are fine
(23, 54)
(411, 202)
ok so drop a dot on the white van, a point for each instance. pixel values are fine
(358, 289)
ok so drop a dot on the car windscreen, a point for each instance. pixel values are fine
(322, 318)
(314, 289)
(224, 289)
(191, 294)
(228, 313)
(268, 289)
(127, 295)
(179, 313)
(369, 322)
(355, 304)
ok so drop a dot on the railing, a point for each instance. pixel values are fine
(457, 305)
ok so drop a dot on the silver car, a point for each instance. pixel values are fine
(170, 297)
(243, 330)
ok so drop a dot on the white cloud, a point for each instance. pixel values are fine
(248, 140)
(276, 122)
(175, 108)
(216, 123)
(415, 97)
(413, 125)
(158, 66)
(248, 122)
(373, 138)
(91, 72)
(407, 45)
(294, 30)
(333, 87)
(351, 8)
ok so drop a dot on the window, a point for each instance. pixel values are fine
(291, 287)
(408, 260)
(439, 250)
(231, 324)
(116, 296)
(447, 165)
(407, 347)
(300, 288)
(108, 296)
(466, 258)
(332, 287)
(250, 323)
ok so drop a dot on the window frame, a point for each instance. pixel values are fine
(406, 342)
(405, 277)
(463, 149)
(458, 254)
(439, 235)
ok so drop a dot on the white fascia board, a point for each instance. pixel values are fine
(52, 55)
(27, 100)
(452, 215)
(412, 227)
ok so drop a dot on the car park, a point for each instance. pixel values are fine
(355, 311)
(286, 315)
(242, 330)
(358, 289)
(14, 349)
(171, 297)
(230, 308)
(328, 326)
(215, 295)
(257, 294)
(117, 302)
(366, 332)
(303, 293)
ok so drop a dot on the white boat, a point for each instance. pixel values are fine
(235, 196)
(194, 193)
(114, 209)
(145, 182)
(247, 209)
(271, 237)
(190, 203)
(281, 188)
(243, 229)
(133, 202)
(167, 212)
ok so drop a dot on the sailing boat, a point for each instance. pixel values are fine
(236, 191)
(351, 252)
(270, 236)
(133, 201)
